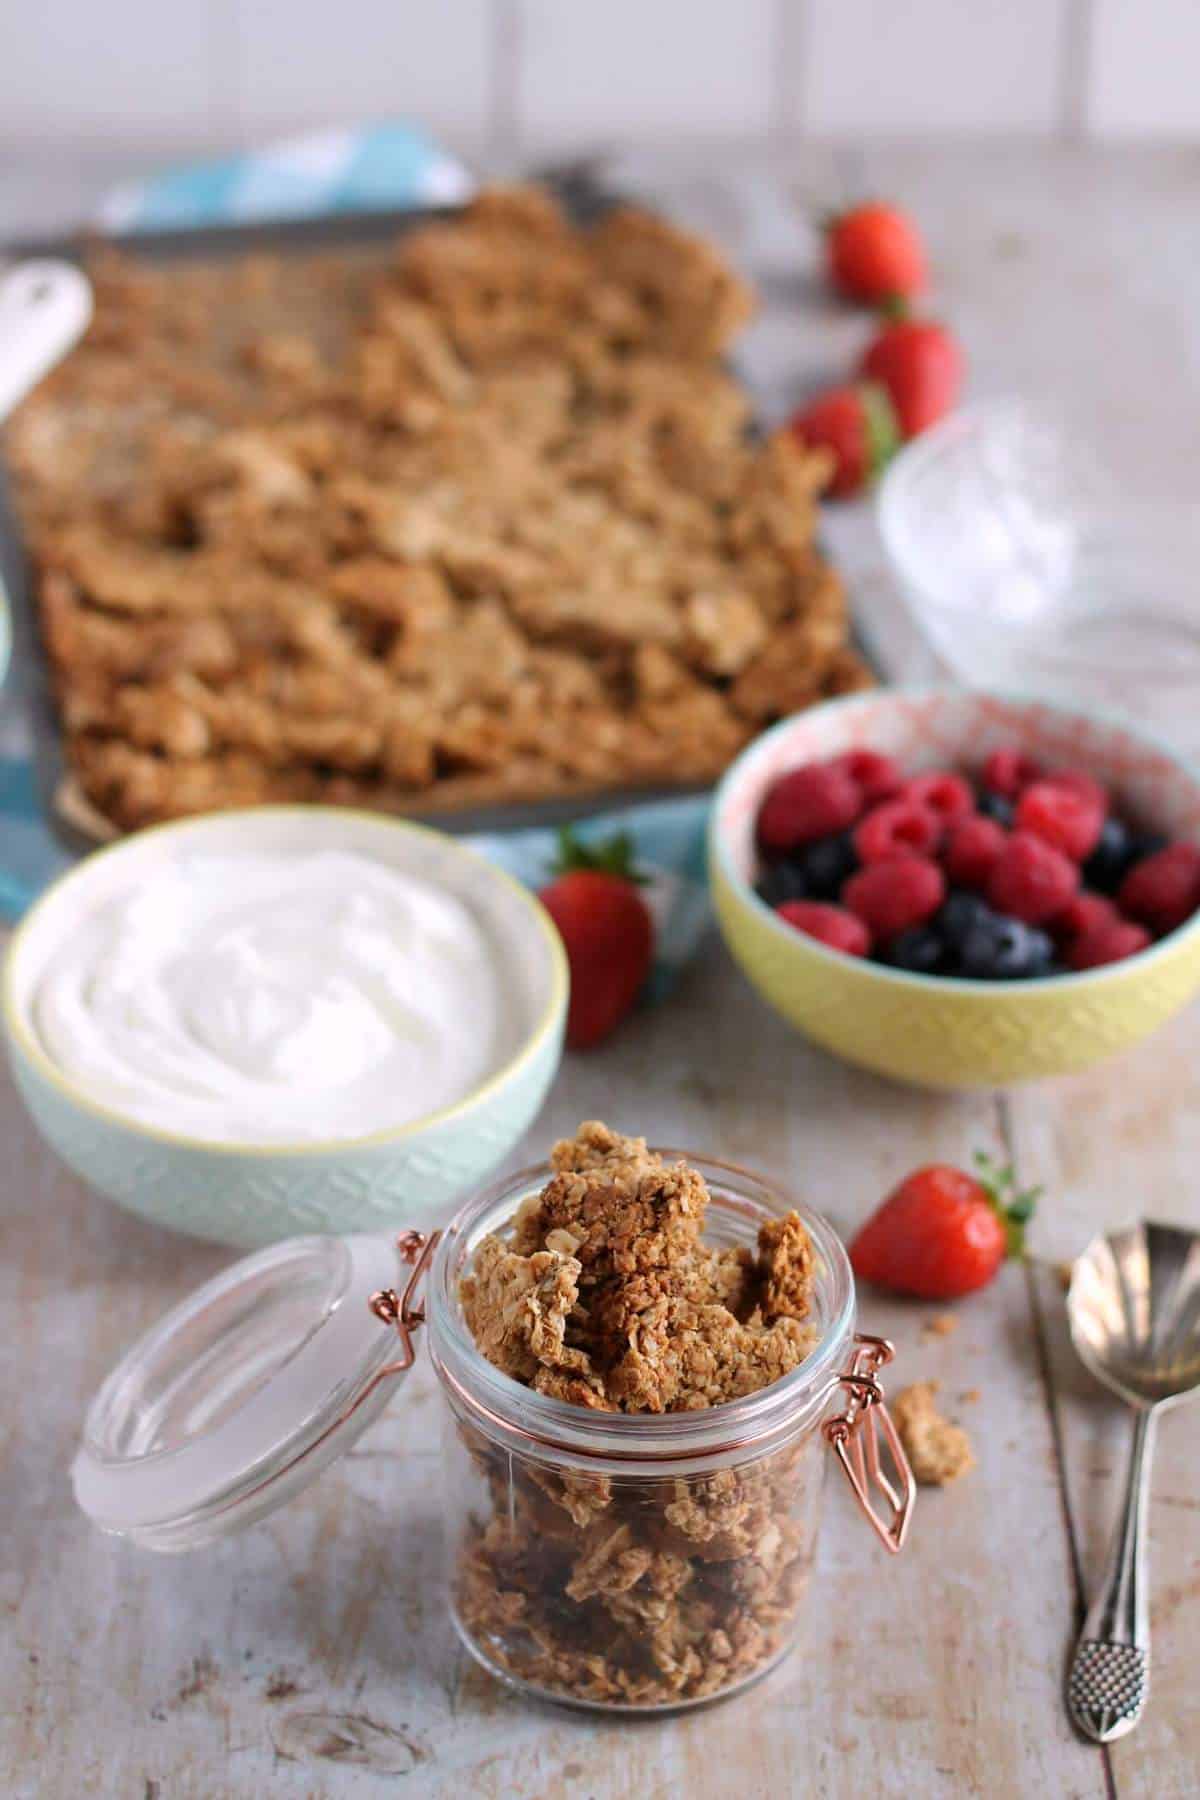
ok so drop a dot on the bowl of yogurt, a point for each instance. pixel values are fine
(285, 1019)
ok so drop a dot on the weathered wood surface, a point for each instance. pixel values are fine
(315, 1649)
(313, 1657)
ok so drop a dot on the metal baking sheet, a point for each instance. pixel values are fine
(27, 706)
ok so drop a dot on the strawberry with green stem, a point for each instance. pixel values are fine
(856, 426)
(943, 1233)
(606, 929)
(919, 365)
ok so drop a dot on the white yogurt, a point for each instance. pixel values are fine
(276, 998)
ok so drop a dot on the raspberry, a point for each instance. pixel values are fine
(1008, 771)
(1066, 815)
(973, 846)
(1079, 783)
(898, 828)
(812, 802)
(1030, 880)
(830, 925)
(893, 894)
(878, 777)
(1108, 941)
(1164, 889)
(1085, 912)
(949, 796)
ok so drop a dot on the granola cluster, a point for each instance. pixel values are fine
(628, 1590)
(476, 520)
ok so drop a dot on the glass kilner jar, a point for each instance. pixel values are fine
(621, 1561)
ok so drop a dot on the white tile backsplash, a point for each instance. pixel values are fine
(305, 62)
(1145, 69)
(116, 71)
(531, 76)
(924, 66)
(598, 70)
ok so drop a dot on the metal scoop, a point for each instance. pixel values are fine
(1134, 1309)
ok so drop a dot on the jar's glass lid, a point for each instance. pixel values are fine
(242, 1394)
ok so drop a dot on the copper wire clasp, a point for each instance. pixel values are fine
(403, 1312)
(854, 1434)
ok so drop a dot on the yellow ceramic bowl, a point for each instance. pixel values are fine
(935, 1031)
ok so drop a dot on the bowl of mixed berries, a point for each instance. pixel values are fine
(962, 888)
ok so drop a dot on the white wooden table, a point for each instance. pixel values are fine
(313, 1657)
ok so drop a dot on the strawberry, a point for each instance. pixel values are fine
(607, 931)
(920, 365)
(857, 426)
(943, 1233)
(874, 253)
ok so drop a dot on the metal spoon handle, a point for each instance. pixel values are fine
(1110, 1675)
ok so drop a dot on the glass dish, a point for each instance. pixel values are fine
(1029, 563)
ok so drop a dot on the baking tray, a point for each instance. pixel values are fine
(27, 708)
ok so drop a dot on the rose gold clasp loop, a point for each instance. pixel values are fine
(403, 1312)
(854, 1434)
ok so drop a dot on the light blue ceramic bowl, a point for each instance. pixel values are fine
(249, 1196)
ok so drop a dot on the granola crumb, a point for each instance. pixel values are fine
(941, 1325)
(637, 1591)
(1063, 1272)
(969, 1396)
(938, 1451)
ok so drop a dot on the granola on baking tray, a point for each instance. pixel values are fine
(478, 520)
(637, 1590)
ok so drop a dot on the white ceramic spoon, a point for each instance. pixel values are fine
(45, 307)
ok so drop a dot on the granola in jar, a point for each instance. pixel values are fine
(593, 1579)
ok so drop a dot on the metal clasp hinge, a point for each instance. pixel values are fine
(403, 1312)
(855, 1433)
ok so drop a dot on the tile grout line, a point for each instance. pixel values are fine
(503, 125)
(1007, 1135)
(1075, 69)
(226, 100)
(787, 77)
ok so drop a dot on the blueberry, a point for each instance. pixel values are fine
(1141, 845)
(995, 806)
(961, 913)
(1106, 866)
(828, 864)
(1115, 854)
(781, 881)
(1000, 949)
(920, 950)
